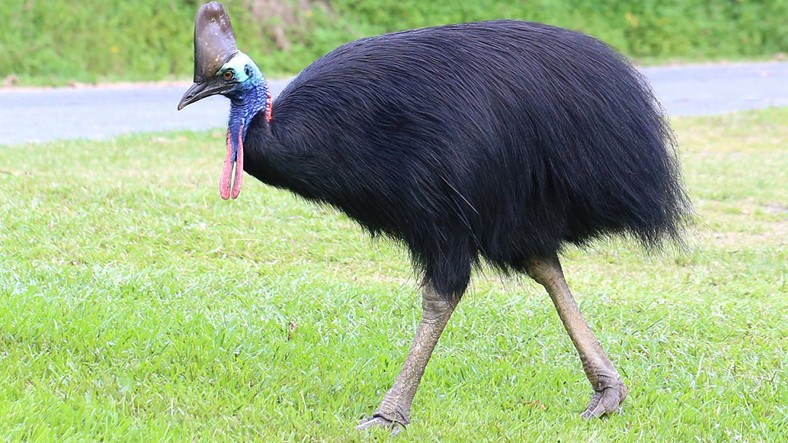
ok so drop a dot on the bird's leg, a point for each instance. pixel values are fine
(394, 410)
(609, 389)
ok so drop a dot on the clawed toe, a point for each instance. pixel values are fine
(379, 421)
(605, 401)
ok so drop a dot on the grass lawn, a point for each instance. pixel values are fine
(136, 305)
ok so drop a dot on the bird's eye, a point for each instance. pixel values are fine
(228, 75)
(248, 71)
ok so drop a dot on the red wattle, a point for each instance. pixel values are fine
(239, 164)
(224, 184)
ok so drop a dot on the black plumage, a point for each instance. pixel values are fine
(503, 140)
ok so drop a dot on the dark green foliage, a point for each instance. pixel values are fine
(87, 40)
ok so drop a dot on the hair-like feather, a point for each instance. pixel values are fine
(500, 140)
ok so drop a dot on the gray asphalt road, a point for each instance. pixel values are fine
(35, 115)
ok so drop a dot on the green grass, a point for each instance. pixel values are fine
(136, 305)
(59, 42)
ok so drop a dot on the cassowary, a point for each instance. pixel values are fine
(497, 142)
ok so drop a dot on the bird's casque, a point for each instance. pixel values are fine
(214, 41)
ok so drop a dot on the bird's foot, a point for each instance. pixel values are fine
(379, 421)
(606, 400)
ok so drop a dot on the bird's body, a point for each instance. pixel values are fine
(497, 141)
(473, 140)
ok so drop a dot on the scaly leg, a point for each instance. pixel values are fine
(609, 389)
(394, 410)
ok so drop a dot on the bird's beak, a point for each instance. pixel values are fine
(199, 90)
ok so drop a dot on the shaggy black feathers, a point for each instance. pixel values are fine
(503, 140)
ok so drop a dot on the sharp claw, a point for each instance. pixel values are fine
(590, 412)
(605, 401)
(378, 421)
(396, 429)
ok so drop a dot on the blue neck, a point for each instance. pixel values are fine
(245, 104)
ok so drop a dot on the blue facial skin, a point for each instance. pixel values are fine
(247, 97)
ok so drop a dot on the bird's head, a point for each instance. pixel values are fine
(220, 68)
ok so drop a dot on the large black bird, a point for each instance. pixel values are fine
(497, 141)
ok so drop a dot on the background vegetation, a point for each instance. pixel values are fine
(136, 305)
(57, 41)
